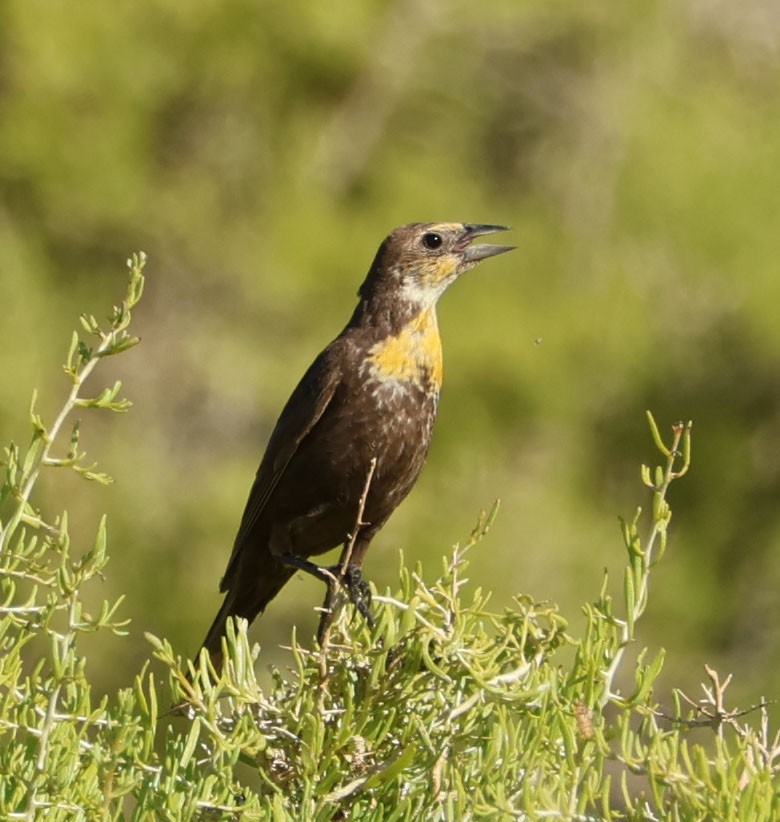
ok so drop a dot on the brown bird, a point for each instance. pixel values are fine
(371, 394)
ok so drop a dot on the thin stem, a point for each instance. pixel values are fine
(48, 439)
(66, 642)
(346, 554)
(681, 434)
(331, 598)
(43, 439)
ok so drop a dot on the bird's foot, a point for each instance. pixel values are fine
(357, 589)
(359, 592)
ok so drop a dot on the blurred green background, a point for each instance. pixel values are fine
(260, 151)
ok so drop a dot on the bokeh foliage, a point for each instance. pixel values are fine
(259, 151)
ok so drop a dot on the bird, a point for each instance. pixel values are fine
(353, 437)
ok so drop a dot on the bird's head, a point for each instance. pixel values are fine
(417, 262)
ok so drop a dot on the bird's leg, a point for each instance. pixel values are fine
(335, 576)
(351, 577)
(348, 571)
(347, 578)
(329, 574)
(358, 588)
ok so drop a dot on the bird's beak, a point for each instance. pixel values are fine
(475, 253)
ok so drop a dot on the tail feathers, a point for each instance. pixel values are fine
(240, 602)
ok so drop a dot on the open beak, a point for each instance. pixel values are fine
(475, 253)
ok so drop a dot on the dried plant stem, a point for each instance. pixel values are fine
(334, 597)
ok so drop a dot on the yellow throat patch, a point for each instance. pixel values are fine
(412, 355)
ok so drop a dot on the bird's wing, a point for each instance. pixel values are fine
(302, 412)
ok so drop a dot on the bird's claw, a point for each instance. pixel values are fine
(359, 592)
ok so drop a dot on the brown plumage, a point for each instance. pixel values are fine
(372, 393)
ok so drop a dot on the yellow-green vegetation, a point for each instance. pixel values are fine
(446, 709)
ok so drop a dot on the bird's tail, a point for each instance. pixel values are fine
(240, 602)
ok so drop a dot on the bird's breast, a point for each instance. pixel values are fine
(408, 360)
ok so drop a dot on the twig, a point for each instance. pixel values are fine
(332, 598)
(646, 556)
(713, 709)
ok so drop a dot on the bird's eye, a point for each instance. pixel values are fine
(432, 240)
